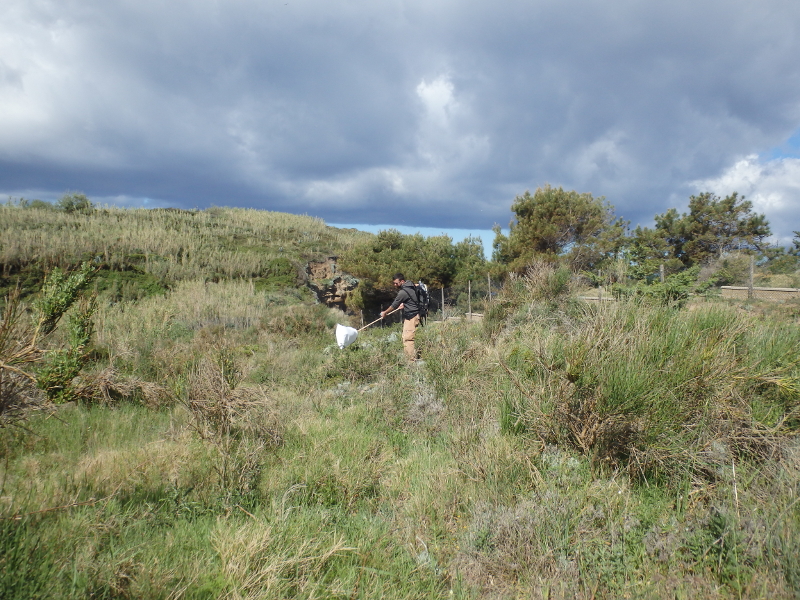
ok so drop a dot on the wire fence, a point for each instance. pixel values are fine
(751, 292)
(760, 293)
(468, 301)
(471, 300)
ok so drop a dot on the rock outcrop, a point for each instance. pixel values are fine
(329, 284)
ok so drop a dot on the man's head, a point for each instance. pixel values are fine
(398, 279)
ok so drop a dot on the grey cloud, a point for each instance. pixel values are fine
(312, 106)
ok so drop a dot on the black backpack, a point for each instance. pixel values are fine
(423, 299)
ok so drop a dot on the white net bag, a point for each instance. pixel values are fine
(345, 336)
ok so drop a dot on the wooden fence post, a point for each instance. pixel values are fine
(469, 298)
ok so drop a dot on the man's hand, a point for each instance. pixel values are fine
(383, 312)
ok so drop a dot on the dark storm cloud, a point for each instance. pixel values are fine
(408, 112)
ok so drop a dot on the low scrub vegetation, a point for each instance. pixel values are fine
(216, 443)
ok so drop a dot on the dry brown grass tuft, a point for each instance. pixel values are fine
(109, 387)
(221, 407)
(176, 461)
(238, 422)
(260, 563)
(18, 397)
(18, 351)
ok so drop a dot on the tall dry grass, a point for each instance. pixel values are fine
(172, 245)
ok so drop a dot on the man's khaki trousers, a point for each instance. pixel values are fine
(409, 331)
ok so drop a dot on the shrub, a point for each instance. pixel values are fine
(239, 422)
(75, 202)
(36, 204)
(652, 389)
(368, 359)
(544, 284)
(280, 273)
(673, 291)
(24, 360)
(62, 365)
(301, 320)
(728, 270)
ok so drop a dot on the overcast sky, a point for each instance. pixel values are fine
(423, 113)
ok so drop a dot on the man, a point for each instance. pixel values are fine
(407, 299)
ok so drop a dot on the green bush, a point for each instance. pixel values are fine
(28, 352)
(75, 202)
(279, 274)
(371, 357)
(300, 320)
(673, 291)
(128, 284)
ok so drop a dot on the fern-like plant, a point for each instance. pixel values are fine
(25, 362)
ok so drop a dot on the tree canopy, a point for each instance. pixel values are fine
(75, 202)
(556, 222)
(435, 260)
(712, 227)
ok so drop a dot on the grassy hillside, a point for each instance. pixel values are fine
(153, 249)
(221, 446)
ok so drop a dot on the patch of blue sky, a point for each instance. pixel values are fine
(789, 149)
(486, 235)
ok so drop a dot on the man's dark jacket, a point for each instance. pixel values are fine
(408, 297)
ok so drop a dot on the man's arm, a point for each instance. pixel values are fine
(398, 304)
(390, 309)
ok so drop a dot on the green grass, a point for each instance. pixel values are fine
(557, 450)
